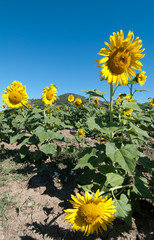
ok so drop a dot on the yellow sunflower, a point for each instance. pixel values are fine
(15, 95)
(80, 132)
(128, 112)
(121, 58)
(77, 102)
(70, 98)
(152, 102)
(3, 106)
(128, 97)
(141, 79)
(48, 95)
(96, 100)
(90, 214)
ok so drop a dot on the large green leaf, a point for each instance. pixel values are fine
(16, 136)
(114, 179)
(123, 208)
(131, 105)
(49, 148)
(141, 187)
(92, 125)
(87, 158)
(125, 156)
(94, 92)
(139, 130)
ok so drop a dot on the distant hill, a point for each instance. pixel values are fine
(63, 99)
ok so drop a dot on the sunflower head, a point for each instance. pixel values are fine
(48, 95)
(141, 79)
(96, 100)
(3, 106)
(90, 214)
(152, 102)
(120, 58)
(128, 112)
(80, 132)
(70, 98)
(77, 102)
(15, 95)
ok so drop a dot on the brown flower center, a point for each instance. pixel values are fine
(119, 61)
(50, 95)
(15, 97)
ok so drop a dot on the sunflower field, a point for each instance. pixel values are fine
(114, 171)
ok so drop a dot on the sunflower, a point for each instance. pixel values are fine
(121, 58)
(96, 100)
(15, 95)
(90, 214)
(77, 102)
(141, 79)
(3, 106)
(152, 102)
(48, 95)
(80, 132)
(128, 97)
(128, 112)
(70, 98)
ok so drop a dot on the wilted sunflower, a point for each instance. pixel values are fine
(48, 95)
(141, 79)
(80, 132)
(70, 98)
(121, 58)
(96, 100)
(15, 95)
(77, 102)
(90, 214)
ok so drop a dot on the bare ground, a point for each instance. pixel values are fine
(33, 202)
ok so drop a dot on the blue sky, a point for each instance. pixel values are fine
(46, 41)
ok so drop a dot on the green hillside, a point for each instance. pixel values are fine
(63, 99)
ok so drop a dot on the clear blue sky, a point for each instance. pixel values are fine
(46, 41)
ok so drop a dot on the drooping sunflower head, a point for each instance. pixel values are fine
(15, 95)
(120, 58)
(80, 132)
(141, 79)
(48, 95)
(96, 100)
(70, 98)
(77, 102)
(90, 214)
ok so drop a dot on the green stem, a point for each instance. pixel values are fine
(115, 188)
(111, 102)
(131, 90)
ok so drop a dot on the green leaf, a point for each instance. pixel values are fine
(139, 130)
(114, 179)
(123, 209)
(49, 148)
(131, 105)
(146, 163)
(92, 125)
(106, 169)
(125, 156)
(141, 187)
(94, 92)
(16, 136)
(87, 158)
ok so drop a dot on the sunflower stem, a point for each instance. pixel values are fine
(131, 90)
(111, 102)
